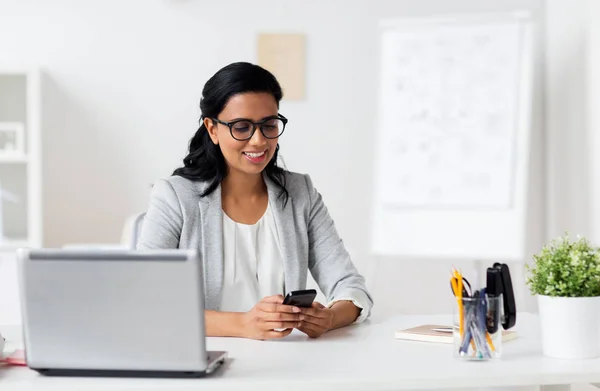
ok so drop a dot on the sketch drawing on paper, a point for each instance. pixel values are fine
(449, 112)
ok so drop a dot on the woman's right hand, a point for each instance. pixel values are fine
(270, 319)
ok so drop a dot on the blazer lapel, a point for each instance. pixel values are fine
(284, 221)
(211, 214)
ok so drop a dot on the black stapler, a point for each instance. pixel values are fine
(499, 283)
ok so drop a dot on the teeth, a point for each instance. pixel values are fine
(255, 155)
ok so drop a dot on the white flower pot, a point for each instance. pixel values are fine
(570, 326)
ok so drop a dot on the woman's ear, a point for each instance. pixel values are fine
(211, 126)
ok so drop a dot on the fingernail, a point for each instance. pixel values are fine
(301, 317)
(296, 309)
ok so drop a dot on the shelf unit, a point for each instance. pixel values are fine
(13, 159)
(21, 175)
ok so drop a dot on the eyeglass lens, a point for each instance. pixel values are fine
(242, 130)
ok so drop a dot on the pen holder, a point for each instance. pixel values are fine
(477, 331)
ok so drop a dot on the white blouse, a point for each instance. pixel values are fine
(252, 264)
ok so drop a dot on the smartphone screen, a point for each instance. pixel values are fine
(303, 298)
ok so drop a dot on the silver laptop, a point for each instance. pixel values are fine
(114, 313)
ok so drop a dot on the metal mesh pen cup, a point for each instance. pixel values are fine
(477, 331)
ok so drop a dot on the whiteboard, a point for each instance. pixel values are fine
(453, 137)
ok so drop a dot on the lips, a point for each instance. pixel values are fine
(254, 155)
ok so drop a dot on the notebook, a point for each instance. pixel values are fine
(439, 334)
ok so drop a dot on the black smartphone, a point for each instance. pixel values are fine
(303, 298)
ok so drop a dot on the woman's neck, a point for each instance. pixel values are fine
(239, 185)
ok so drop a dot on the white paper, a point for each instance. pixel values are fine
(448, 116)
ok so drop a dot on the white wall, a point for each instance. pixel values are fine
(593, 115)
(123, 81)
(569, 173)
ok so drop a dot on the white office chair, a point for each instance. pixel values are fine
(132, 230)
(129, 235)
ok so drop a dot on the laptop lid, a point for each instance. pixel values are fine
(114, 309)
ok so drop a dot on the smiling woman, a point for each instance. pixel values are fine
(259, 228)
(236, 136)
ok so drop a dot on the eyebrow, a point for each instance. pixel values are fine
(248, 119)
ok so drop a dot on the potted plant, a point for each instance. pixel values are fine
(565, 276)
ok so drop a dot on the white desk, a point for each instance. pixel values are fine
(365, 357)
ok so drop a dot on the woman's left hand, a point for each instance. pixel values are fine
(317, 320)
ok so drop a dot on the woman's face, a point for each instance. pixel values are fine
(249, 156)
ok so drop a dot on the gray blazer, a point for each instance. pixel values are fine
(178, 217)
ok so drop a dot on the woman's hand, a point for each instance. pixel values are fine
(270, 319)
(317, 320)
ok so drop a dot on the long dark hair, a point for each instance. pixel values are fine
(205, 161)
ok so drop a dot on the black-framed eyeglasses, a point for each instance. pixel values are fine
(243, 129)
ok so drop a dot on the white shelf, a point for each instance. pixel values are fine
(17, 71)
(13, 159)
(11, 245)
(21, 172)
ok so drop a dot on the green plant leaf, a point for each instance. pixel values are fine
(565, 268)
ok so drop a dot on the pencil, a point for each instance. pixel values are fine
(460, 303)
(489, 340)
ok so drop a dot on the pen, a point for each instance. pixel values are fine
(481, 323)
(469, 335)
(485, 320)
